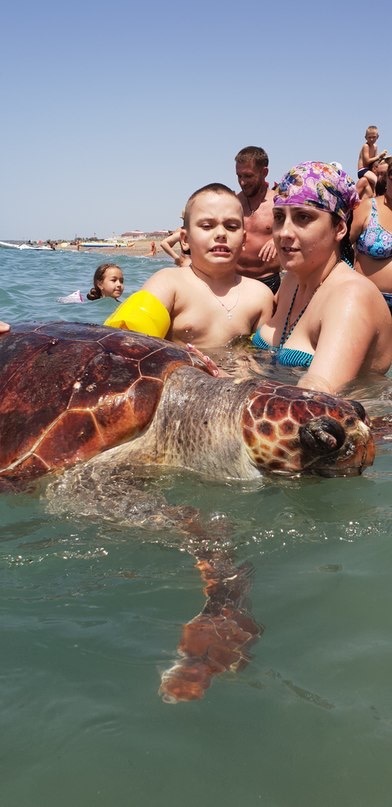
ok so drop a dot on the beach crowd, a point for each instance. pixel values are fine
(302, 268)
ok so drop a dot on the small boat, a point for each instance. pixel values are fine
(98, 244)
(32, 246)
(8, 245)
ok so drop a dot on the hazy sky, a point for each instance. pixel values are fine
(113, 113)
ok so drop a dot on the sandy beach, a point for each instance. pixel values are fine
(140, 247)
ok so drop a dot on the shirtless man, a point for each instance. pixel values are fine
(258, 260)
(208, 301)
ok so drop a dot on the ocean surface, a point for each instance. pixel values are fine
(91, 614)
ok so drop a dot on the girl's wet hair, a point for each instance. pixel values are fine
(95, 292)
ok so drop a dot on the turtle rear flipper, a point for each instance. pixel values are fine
(216, 640)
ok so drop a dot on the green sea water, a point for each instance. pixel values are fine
(91, 614)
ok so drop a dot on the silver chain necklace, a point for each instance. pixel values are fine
(228, 309)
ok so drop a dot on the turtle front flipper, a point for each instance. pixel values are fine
(217, 639)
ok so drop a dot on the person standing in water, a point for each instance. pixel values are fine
(328, 320)
(258, 259)
(153, 250)
(371, 233)
(209, 303)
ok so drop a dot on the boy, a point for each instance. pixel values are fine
(209, 302)
(368, 156)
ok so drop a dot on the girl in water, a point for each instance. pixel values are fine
(108, 281)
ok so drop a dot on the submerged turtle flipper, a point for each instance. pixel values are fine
(218, 638)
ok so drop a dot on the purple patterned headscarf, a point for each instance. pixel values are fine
(319, 185)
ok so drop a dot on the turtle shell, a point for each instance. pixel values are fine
(69, 391)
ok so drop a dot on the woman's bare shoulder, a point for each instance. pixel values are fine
(354, 289)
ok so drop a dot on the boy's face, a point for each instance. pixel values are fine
(215, 232)
(371, 136)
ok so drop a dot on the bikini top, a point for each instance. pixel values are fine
(374, 241)
(286, 356)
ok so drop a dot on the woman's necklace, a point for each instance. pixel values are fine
(288, 329)
(227, 308)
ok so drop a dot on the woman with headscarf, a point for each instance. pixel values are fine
(328, 319)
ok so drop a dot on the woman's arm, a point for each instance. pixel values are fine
(348, 332)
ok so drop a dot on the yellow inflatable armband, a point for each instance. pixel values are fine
(141, 312)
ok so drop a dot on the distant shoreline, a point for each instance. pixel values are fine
(142, 246)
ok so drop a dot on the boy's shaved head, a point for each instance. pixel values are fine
(213, 187)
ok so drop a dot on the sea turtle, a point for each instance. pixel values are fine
(72, 392)
(117, 400)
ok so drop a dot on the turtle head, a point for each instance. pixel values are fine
(288, 430)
